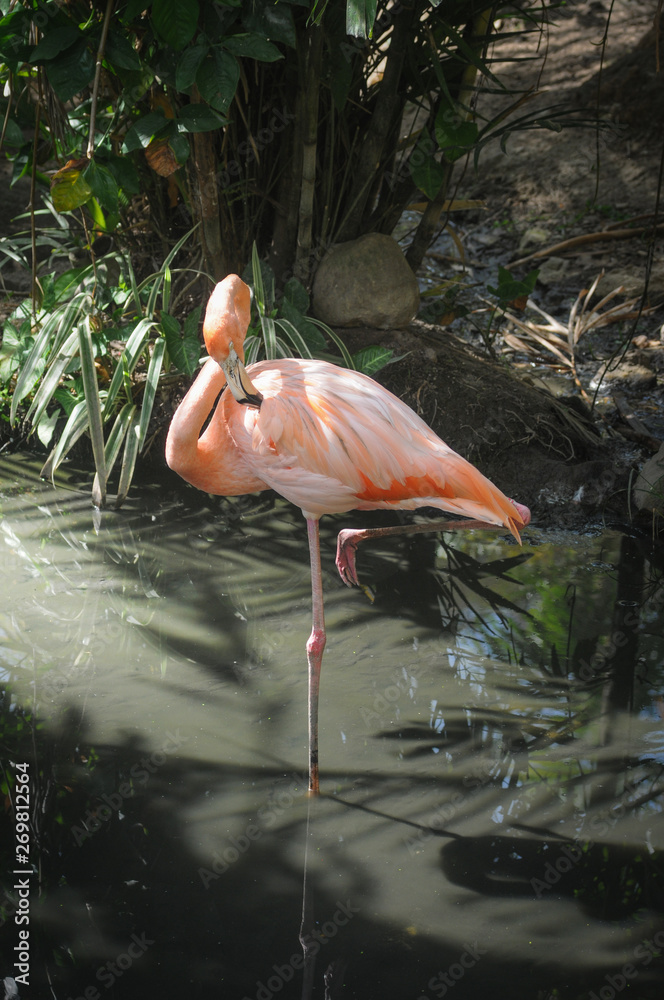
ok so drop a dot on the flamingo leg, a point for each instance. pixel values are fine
(349, 538)
(315, 647)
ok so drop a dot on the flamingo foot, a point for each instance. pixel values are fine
(347, 542)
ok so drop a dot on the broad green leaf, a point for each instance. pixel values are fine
(14, 28)
(71, 71)
(310, 334)
(217, 81)
(184, 351)
(455, 135)
(54, 42)
(252, 46)
(188, 63)
(144, 130)
(125, 173)
(121, 54)
(175, 21)
(103, 186)
(151, 382)
(360, 17)
(13, 133)
(272, 20)
(69, 188)
(93, 406)
(426, 172)
(199, 118)
(371, 359)
(46, 427)
(297, 295)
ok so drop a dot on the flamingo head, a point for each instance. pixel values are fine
(225, 326)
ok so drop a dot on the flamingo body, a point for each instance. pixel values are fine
(327, 439)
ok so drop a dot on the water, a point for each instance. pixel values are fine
(492, 756)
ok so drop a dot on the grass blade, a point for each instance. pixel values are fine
(151, 383)
(93, 405)
(128, 459)
(295, 337)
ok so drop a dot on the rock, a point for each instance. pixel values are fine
(366, 282)
(631, 376)
(649, 487)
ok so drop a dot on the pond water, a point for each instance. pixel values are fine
(491, 747)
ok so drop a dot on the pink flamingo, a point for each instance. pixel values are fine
(327, 439)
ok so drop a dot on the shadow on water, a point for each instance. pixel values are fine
(492, 755)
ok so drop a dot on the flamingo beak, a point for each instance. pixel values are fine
(243, 389)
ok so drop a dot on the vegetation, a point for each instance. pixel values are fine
(197, 130)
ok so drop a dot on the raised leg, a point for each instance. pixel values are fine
(315, 647)
(349, 538)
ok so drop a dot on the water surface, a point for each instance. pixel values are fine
(491, 745)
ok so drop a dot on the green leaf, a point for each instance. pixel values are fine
(180, 147)
(217, 79)
(188, 64)
(128, 360)
(118, 433)
(426, 172)
(151, 383)
(455, 135)
(296, 339)
(125, 174)
(14, 28)
(252, 46)
(144, 130)
(312, 336)
(360, 17)
(345, 353)
(272, 20)
(297, 295)
(198, 118)
(72, 71)
(510, 288)
(184, 351)
(74, 428)
(121, 54)
(13, 134)
(56, 41)
(46, 427)
(56, 369)
(103, 185)
(128, 459)
(93, 407)
(175, 21)
(371, 359)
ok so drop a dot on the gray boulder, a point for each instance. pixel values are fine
(366, 282)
